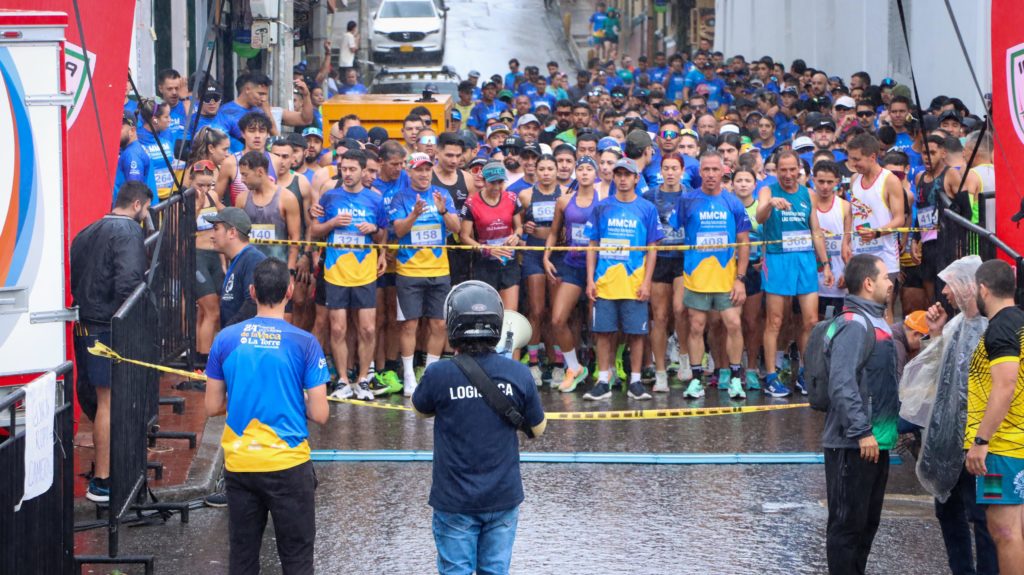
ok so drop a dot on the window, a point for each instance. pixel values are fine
(407, 9)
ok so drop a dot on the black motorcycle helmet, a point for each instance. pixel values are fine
(473, 311)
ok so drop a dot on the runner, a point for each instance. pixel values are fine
(877, 202)
(209, 265)
(713, 276)
(539, 211)
(619, 281)
(930, 184)
(255, 129)
(492, 220)
(744, 181)
(572, 212)
(154, 120)
(353, 215)
(836, 222)
(528, 156)
(421, 215)
(793, 239)
(252, 91)
(459, 185)
(273, 213)
(667, 287)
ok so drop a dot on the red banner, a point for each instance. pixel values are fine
(1008, 116)
(91, 159)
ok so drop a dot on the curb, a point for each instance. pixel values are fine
(574, 49)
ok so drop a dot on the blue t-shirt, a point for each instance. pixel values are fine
(266, 365)
(162, 175)
(510, 80)
(693, 77)
(548, 98)
(716, 93)
(597, 22)
(666, 204)
(711, 221)
(518, 186)
(527, 89)
(482, 112)
(674, 89)
(176, 131)
(134, 165)
(615, 223)
(227, 122)
(353, 90)
(476, 452)
(657, 74)
(235, 291)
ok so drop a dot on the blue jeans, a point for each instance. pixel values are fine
(475, 541)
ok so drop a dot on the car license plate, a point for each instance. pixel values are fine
(405, 48)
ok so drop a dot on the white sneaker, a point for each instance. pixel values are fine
(537, 376)
(344, 391)
(363, 392)
(685, 373)
(409, 388)
(673, 349)
(660, 382)
(557, 376)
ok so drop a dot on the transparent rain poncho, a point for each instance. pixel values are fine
(933, 391)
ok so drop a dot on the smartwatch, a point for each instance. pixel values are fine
(979, 441)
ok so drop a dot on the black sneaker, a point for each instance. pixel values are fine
(377, 387)
(638, 391)
(598, 392)
(647, 374)
(99, 490)
(218, 499)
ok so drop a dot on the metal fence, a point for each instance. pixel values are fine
(960, 237)
(171, 277)
(39, 536)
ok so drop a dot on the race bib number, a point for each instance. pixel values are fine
(427, 235)
(495, 242)
(579, 235)
(928, 217)
(263, 232)
(672, 235)
(344, 238)
(163, 178)
(712, 240)
(796, 241)
(866, 247)
(612, 249)
(834, 245)
(543, 212)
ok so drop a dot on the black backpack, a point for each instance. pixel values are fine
(817, 358)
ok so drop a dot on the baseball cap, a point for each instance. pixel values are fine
(901, 90)
(513, 141)
(474, 73)
(528, 119)
(802, 142)
(619, 91)
(490, 83)
(497, 129)
(916, 321)
(477, 161)
(296, 139)
(626, 164)
(377, 136)
(542, 104)
(494, 172)
(212, 93)
(729, 129)
(824, 124)
(607, 142)
(456, 115)
(531, 148)
(418, 159)
(505, 94)
(313, 131)
(469, 138)
(845, 103)
(888, 83)
(950, 115)
(790, 90)
(357, 133)
(639, 138)
(234, 217)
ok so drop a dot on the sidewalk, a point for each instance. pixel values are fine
(578, 13)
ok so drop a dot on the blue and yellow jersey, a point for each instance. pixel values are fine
(612, 224)
(352, 267)
(711, 221)
(426, 257)
(266, 364)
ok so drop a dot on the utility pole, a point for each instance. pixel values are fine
(652, 28)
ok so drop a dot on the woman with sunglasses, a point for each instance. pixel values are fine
(214, 146)
(572, 213)
(209, 274)
(538, 204)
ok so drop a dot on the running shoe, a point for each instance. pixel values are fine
(620, 368)
(410, 388)
(573, 378)
(598, 392)
(545, 374)
(343, 391)
(685, 373)
(638, 391)
(390, 380)
(218, 499)
(557, 377)
(801, 384)
(774, 387)
(377, 386)
(736, 389)
(695, 390)
(99, 490)
(724, 375)
(660, 382)
(753, 380)
(647, 374)
(538, 377)
(363, 391)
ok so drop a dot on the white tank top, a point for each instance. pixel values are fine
(831, 223)
(987, 173)
(871, 209)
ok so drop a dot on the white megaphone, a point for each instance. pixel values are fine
(515, 333)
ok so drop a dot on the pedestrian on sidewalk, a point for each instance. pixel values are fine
(611, 35)
(108, 261)
(349, 47)
(597, 27)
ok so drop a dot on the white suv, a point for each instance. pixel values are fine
(403, 29)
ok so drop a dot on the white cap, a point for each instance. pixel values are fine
(802, 142)
(846, 102)
(729, 129)
(545, 149)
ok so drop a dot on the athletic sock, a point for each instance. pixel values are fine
(431, 358)
(603, 377)
(698, 371)
(634, 377)
(571, 361)
(408, 373)
(371, 371)
(737, 370)
(533, 351)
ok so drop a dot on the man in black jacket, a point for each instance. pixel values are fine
(108, 261)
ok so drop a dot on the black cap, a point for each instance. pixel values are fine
(296, 140)
(950, 115)
(825, 124)
(532, 149)
(377, 136)
(513, 142)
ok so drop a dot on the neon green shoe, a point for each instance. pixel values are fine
(389, 379)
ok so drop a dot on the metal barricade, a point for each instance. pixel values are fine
(171, 277)
(39, 536)
(959, 237)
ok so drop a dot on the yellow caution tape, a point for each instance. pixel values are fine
(660, 248)
(102, 350)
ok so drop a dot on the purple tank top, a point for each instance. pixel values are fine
(575, 221)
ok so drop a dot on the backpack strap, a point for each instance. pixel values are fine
(493, 396)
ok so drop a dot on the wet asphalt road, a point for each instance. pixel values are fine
(578, 518)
